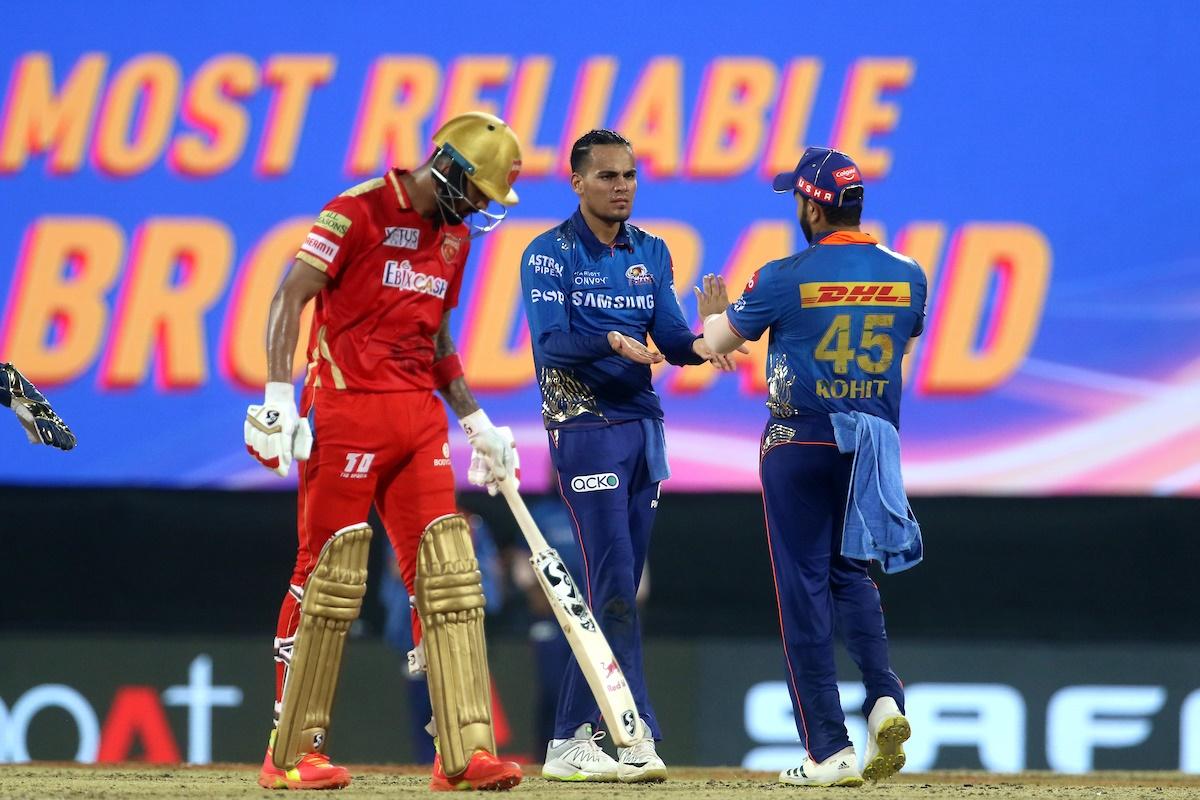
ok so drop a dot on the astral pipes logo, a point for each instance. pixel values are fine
(601, 482)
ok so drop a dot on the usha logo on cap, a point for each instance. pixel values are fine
(813, 191)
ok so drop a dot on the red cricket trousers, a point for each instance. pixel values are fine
(386, 448)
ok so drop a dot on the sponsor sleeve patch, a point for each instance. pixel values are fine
(333, 222)
(320, 247)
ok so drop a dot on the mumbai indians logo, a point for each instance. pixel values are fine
(560, 582)
(638, 274)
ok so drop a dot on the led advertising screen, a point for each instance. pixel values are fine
(158, 176)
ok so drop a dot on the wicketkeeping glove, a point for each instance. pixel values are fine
(275, 432)
(493, 451)
(41, 424)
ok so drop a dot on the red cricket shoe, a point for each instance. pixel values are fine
(484, 773)
(314, 771)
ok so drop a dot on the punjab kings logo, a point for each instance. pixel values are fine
(819, 295)
(450, 247)
(846, 175)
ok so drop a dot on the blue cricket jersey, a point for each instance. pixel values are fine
(840, 315)
(576, 289)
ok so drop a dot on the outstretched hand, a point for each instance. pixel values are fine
(632, 349)
(713, 298)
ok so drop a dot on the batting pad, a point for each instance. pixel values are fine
(332, 599)
(449, 592)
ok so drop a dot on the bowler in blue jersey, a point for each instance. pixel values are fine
(600, 300)
(840, 314)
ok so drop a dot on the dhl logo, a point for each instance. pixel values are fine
(817, 295)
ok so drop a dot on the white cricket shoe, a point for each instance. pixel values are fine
(840, 769)
(887, 731)
(579, 759)
(639, 763)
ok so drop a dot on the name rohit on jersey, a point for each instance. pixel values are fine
(857, 293)
(400, 275)
(840, 388)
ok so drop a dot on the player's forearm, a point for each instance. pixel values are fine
(563, 349)
(719, 335)
(283, 331)
(459, 397)
(676, 347)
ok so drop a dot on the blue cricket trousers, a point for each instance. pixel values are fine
(805, 483)
(604, 479)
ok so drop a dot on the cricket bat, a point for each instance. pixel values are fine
(591, 649)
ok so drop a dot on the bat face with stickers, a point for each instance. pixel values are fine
(587, 641)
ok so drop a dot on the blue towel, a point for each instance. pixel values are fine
(656, 450)
(880, 525)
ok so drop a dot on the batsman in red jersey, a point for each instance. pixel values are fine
(384, 261)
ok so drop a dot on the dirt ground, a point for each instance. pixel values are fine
(37, 781)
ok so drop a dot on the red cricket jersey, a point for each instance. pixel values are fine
(391, 277)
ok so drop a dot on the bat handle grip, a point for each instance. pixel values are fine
(537, 542)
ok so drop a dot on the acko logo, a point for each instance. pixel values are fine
(601, 482)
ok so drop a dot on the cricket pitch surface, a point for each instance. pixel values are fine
(45, 780)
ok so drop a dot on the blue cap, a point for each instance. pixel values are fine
(823, 176)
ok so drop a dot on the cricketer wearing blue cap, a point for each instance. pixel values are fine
(840, 314)
(594, 287)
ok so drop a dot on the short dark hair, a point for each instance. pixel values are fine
(582, 149)
(844, 216)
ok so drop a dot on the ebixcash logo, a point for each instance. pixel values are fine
(602, 482)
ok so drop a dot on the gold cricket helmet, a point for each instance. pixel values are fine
(487, 150)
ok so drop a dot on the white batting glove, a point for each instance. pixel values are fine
(493, 450)
(479, 471)
(275, 432)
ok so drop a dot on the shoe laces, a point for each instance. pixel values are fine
(590, 748)
(642, 750)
